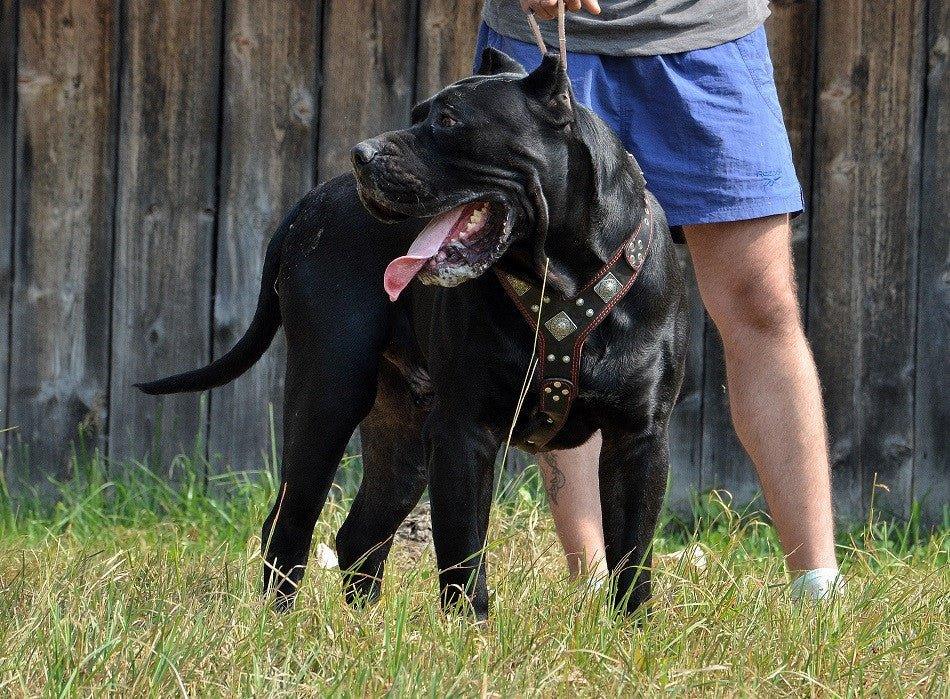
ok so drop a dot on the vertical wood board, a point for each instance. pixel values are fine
(369, 58)
(932, 406)
(447, 33)
(165, 221)
(686, 422)
(8, 52)
(864, 232)
(64, 178)
(269, 115)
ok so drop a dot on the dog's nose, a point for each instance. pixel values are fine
(363, 153)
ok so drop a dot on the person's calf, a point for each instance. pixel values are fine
(572, 482)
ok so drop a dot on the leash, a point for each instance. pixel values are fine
(535, 361)
(561, 34)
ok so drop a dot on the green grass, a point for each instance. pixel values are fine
(130, 587)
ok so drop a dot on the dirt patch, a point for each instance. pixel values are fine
(416, 530)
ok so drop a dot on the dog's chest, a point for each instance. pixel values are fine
(479, 353)
(609, 387)
(562, 327)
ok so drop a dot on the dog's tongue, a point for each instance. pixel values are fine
(403, 269)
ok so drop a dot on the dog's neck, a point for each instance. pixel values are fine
(587, 228)
(588, 201)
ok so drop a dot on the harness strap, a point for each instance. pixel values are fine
(570, 321)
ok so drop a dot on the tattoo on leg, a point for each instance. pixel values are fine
(557, 479)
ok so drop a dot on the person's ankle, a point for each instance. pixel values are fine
(803, 559)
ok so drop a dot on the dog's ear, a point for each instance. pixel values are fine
(494, 62)
(549, 85)
(610, 164)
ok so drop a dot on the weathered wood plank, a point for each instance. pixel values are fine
(8, 52)
(864, 233)
(932, 405)
(791, 33)
(447, 33)
(725, 465)
(268, 160)
(369, 63)
(165, 219)
(64, 163)
(369, 60)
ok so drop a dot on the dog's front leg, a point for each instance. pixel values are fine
(633, 470)
(461, 459)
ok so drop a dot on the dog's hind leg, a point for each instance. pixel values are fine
(318, 424)
(335, 343)
(633, 471)
(394, 476)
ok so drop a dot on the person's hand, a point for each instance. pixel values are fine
(547, 9)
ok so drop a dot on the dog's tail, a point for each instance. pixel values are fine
(251, 346)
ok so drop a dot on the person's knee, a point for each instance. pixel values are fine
(763, 306)
(747, 279)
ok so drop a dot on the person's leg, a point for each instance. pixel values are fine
(746, 280)
(571, 480)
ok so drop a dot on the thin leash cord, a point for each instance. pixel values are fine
(561, 34)
(536, 30)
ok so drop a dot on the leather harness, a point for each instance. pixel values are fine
(569, 322)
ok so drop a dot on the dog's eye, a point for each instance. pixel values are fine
(447, 121)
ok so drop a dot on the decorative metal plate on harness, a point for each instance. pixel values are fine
(565, 326)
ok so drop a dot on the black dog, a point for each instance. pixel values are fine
(519, 178)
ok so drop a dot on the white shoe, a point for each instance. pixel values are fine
(324, 557)
(818, 585)
(692, 557)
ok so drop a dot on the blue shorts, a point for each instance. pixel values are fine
(705, 125)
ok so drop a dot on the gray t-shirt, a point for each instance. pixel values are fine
(638, 27)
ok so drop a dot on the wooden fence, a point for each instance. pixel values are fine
(148, 148)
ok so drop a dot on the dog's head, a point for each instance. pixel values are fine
(492, 159)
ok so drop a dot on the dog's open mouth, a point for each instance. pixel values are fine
(455, 246)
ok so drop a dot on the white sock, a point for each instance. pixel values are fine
(818, 584)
